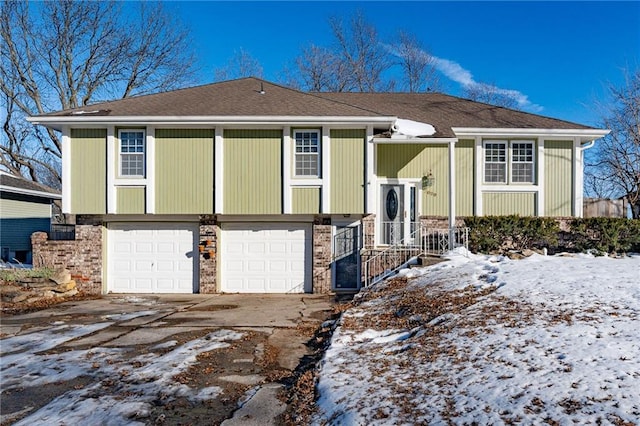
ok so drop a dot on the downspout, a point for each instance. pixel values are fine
(578, 208)
(452, 193)
(588, 146)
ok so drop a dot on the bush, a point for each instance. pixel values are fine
(498, 234)
(604, 234)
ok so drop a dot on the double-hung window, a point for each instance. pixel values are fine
(509, 162)
(495, 162)
(307, 153)
(522, 162)
(132, 152)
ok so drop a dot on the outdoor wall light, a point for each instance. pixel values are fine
(428, 180)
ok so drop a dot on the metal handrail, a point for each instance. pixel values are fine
(422, 241)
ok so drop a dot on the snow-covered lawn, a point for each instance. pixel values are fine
(489, 340)
(123, 386)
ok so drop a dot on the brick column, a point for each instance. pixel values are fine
(368, 231)
(321, 259)
(82, 256)
(208, 254)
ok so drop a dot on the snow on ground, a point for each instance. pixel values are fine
(489, 340)
(125, 384)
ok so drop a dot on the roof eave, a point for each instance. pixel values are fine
(584, 134)
(57, 121)
(414, 140)
(14, 190)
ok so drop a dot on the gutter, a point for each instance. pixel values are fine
(207, 120)
(14, 190)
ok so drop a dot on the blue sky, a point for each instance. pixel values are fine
(557, 56)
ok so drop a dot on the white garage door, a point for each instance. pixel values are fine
(152, 257)
(266, 258)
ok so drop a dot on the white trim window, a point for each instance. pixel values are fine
(509, 162)
(307, 153)
(132, 153)
(495, 162)
(522, 162)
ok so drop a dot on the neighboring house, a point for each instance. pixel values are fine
(248, 186)
(25, 207)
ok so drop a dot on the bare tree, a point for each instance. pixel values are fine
(358, 48)
(241, 64)
(613, 167)
(491, 94)
(66, 54)
(418, 67)
(321, 70)
(355, 62)
(359, 61)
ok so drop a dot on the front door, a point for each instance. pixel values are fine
(392, 214)
(399, 207)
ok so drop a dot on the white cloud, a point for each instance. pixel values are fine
(457, 73)
(454, 71)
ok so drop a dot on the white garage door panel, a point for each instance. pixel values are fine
(266, 257)
(152, 257)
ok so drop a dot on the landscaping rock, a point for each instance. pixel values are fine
(61, 276)
(34, 281)
(64, 287)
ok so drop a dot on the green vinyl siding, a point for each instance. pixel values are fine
(413, 161)
(558, 178)
(88, 171)
(464, 156)
(184, 171)
(305, 200)
(347, 171)
(507, 203)
(16, 209)
(131, 200)
(252, 171)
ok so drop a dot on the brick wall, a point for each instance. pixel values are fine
(83, 256)
(368, 231)
(440, 222)
(321, 259)
(208, 255)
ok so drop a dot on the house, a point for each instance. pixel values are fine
(25, 207)
(248, 186)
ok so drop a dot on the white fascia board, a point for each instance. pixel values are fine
(283, 120)
(287, 218)
(585, 135)
(21, 191)
(414, 140)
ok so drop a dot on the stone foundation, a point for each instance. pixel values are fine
(82, 256)
(321, 282)
(208, 255)
(440, 222)
(369, 231)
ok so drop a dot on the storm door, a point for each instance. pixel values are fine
(399, 213)
(392, 225)
(346, 257)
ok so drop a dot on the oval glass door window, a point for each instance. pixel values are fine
(392, 204)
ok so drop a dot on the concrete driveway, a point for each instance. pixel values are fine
(156, 359)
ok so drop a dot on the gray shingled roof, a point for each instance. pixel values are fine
(251, 96)
(244, 97)
(19, 184)
(445, 112)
